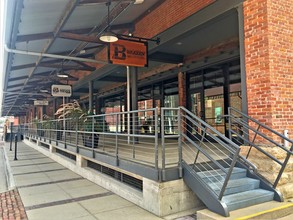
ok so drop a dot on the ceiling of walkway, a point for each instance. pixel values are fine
(72, 28)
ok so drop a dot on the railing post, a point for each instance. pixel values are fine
(116, 139)
(93, 136)
(57, 132)
(283, 168)
(179, 144)
(11, 132)
(133, 133)
(163, 143)
(229, 174)
(64, 129)
(156, 140)
(253, 141)
(15, 148)
(76, 137)
(200, 143)
(50, 132)
(229, 123)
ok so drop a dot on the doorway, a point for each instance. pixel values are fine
(212, 91)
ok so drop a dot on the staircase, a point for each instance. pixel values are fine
(216, 172)
(241, 191)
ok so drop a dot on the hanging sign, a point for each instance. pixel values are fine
(128, 53)
(61, 90)
(41, 102)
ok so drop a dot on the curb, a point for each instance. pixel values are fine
(8, 173)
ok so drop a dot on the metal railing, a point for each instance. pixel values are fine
(118, 134)
(256, 136)
(212, 155)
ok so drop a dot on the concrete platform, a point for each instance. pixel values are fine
(48, 190)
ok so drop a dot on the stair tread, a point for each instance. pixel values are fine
(219, 172)
(246, 196)
(235, 182)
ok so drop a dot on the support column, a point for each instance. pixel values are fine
(242, 59)
(226, 94)
(133, 85)
(90, 96)
(182, 89)
(134, 105)
(268, 56)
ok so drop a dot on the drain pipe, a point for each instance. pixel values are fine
(52, 55)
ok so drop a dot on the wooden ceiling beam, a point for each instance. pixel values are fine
(67, 67)
(52, 64)
(79, 37)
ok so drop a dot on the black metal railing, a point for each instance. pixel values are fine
(255, 136)
(209, 152)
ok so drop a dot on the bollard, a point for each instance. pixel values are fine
(11, 134)
(15, 149)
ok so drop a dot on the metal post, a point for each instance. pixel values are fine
(93, 136)
(156, 140)
(128, 104)
(179, 144)
(116, 150)
(163, 143)
(11, 133)
(64, 128)
(91, 96)
(57, 132)
(229, 123)
(64, 125)
(50, 132)
(15, 148)
(76, 137)
(244, 102)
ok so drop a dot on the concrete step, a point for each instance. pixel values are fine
(248, 198)
(269, 210)
(236, 185)
(219, 175)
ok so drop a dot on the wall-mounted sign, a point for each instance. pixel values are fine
(128, 53)
(41, 102)
(218, 114)
(61, 90)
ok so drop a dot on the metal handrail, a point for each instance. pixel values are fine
(243, 121)
(226, 147)
(112, 142)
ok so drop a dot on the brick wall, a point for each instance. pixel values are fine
(168, 14)
(268, 27)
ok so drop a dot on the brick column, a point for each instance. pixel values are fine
(182, 89)
(268, 28)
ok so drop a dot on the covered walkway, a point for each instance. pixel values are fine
(50, 191)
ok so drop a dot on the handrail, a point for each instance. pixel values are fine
(244, 121)
(221, 153)
(211, 128)
(105, 133)
(262, 125)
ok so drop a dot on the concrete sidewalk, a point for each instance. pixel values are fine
(51, 191)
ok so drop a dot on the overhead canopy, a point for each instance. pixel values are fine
(71, 28)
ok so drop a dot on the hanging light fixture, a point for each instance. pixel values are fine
(108, 36)
(61, 73)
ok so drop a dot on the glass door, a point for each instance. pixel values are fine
(197, 107)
